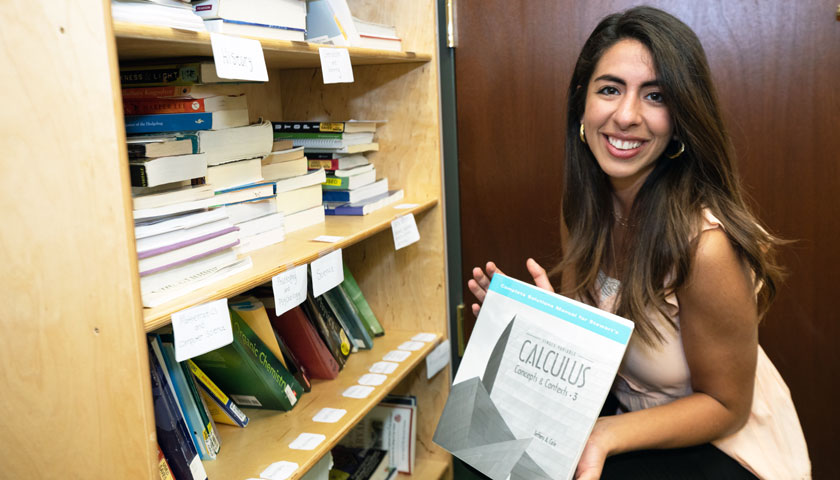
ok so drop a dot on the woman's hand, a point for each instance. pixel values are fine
(595, 452)
(480, 282)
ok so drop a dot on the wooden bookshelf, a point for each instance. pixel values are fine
(297, 249)
(248, 451)
(137, 42)
(82, 406)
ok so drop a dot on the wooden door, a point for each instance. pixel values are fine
(776, 65)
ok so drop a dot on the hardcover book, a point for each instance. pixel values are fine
(303, 340)
(346, 312)
(221, 407)
(177, 122)
(322, 318)
(531, 352)
(353, 291)
(248, 372)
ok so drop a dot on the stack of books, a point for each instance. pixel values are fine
(274, 19)
(351, 186)
(161, 13)
(200, 201)
(331, 22)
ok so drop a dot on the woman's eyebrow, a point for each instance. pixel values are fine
(612, 78)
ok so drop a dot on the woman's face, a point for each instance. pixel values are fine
(627, 124)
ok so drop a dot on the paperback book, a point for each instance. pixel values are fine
(531, 352)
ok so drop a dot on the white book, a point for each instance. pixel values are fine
(191, 252)
(274, 32)
(150, 172)
(242, 212)
(157, 226)
(313, 177)
(234, 174)
(262, 240)
(349, 172)
(258, 225)
(289, 168)
(531, 352)
(171, 196)
(174, 209)
(304, 218)
(351, 182)
(299, 199)
(288, 13)
(199, 275)
(230, 144)
(156, 242)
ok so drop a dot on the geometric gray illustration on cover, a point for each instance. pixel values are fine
(495, 359)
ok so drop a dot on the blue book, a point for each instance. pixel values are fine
(180, 122)
(365, 206)
(363, 193)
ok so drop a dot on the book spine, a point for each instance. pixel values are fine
(150, 107)
(271, 369)
(313, 127)
(155, 92)
(333, 343)
(321, 156)
(336, 196)
(334, 183)
(138, 176)
(307, 136)
(326, 164)
(217, 395)
(161, 75)
(365, 312)
(168, 122)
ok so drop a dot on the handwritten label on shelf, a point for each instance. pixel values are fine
(238, 58)
(279, 470)
(335, 65)
(372, 379)
(289, 289)
(329, 415)
(383, 367)
(424, 337)
(411, 346)
(327, 272)
(307, 441)
(328, 239)
(396, 356)
(357, 391)
(437, 359)
(405, 232)
(201, 328)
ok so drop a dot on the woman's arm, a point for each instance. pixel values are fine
(719, 330)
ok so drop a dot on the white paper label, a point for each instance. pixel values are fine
(424, 337)
(329, 415)
(372, 379)
(307, 441)
(357, 391)
(406, 206)
(279, 470)
(197, 468)
(405, 231)
(396, 356)
(383, 367)
(238, 58)
(327, 272)
(201, 328)
(335, 65)
(328, 239)
(289, 289)
(411, 346)
(437, 359)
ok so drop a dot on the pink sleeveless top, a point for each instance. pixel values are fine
(770, 445)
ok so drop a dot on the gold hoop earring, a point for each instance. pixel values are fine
(582, 138)
(679, 152)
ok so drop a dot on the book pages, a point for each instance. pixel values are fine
(531, 352)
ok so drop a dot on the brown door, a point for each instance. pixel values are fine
(777, 68)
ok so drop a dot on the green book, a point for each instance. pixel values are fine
(351, 288)
(293, 135)
(248, 372)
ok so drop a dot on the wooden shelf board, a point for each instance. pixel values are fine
(427, 469)
(246, 452)
(136, 42)
(297, 249)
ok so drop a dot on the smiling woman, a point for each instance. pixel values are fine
(655, 229)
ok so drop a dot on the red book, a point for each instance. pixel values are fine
(302, 338)
(151, 106)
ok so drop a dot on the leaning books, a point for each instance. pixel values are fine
(531, 352)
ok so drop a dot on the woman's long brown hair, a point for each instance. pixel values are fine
(669, 206)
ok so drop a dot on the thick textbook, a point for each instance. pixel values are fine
(247, 370)
(349, 317)
(350, 126)
(146, 106)
(365, 206)
(353, 291)
(220, 405)
(302, 338)
(322, 318)
(531, 352)
(362, 193)
(170, 74)
(151, 172)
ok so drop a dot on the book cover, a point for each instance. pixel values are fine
(253, 312)
(222, 408)
(297, 369)
(354, 463)
(172, 433)
(321, 317)
(531, 351)
(177, 122)
(391, 427)
(164, 472)
(330, 22)
(204, 439)
(169, 74)
(335, 182)
(248, 371)
(347, 314)
(307, 346)
(351, 288)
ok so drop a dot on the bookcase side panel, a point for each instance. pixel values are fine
(78, 401)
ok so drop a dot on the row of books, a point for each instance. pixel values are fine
(269, 365)
(317, 21)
